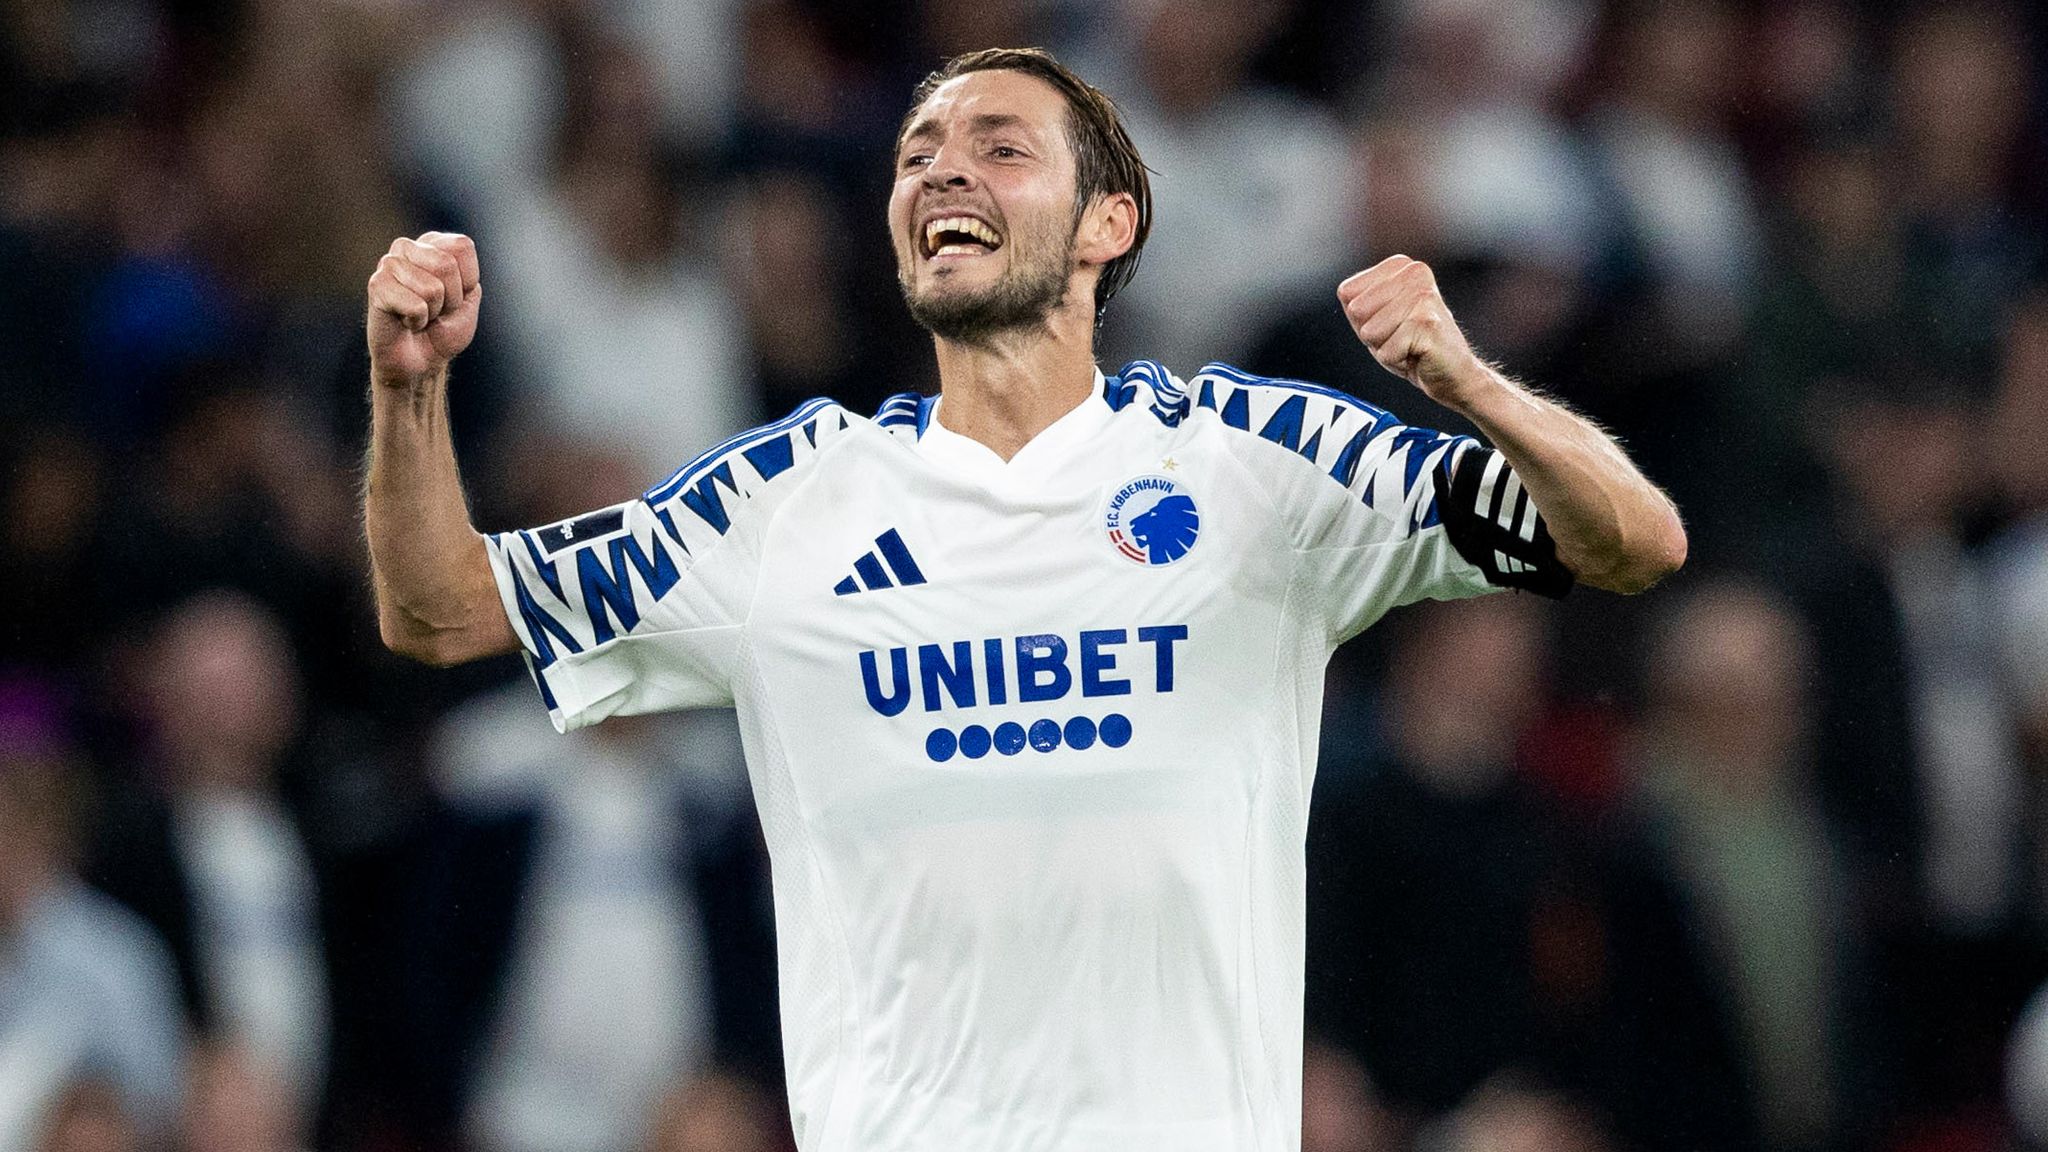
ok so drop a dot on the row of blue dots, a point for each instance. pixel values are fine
(975, 741)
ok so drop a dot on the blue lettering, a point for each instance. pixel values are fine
(899, 668)
(946, 678)
(1094, 662)
(992, 653)
(1030, 665)
(1162, 638)
(958, 676)
(1142, 484)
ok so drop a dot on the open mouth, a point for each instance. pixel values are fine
(959, 236)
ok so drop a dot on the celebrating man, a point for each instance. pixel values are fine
(1029, 671)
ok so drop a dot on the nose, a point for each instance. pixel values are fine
(946, 170)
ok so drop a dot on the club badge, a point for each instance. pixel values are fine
(1152, 520)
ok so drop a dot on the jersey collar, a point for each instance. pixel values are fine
(956, 453)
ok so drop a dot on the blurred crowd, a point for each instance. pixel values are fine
(1758, 861)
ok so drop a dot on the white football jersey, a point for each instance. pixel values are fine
(1032, 741)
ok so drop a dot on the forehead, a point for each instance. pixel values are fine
(990, 97)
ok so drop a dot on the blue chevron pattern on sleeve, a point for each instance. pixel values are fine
(577, 585)
(1386, 464)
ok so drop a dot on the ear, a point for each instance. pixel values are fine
(1107, 230)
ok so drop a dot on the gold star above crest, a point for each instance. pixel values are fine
(1170, 464)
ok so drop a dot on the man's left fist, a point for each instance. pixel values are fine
(1396, 310)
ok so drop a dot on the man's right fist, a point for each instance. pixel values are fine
(423, 304)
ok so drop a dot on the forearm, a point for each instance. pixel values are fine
(436, 599)
(1613, 528)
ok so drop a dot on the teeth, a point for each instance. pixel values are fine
(965, 225)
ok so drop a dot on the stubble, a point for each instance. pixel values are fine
(1021, 299)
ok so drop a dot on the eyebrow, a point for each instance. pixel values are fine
(984, 122)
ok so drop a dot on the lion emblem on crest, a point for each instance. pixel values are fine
(1153, 520)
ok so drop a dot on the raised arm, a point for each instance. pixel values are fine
(1613, 528)
(436, 599)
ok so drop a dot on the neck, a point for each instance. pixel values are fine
(1006, 390)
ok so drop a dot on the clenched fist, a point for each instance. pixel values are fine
(423, 305)
(1395, 308)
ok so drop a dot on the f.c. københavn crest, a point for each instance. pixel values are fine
(1153, 520)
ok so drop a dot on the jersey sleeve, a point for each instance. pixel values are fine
(641, 607)
(1383, 513)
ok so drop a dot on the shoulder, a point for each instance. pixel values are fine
(905, 414)
(1243, 400)
(704, 495)
(1328, 429)
(1303, 438)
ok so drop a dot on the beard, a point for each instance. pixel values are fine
(1022, 298)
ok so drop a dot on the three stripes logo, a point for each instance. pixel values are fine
(1494, 524)
(870, 573)
(1503, 500)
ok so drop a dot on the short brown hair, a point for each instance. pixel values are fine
(1106, 162)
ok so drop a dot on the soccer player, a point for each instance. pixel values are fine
(1030, 671)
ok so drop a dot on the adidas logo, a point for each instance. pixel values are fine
(869, 574)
